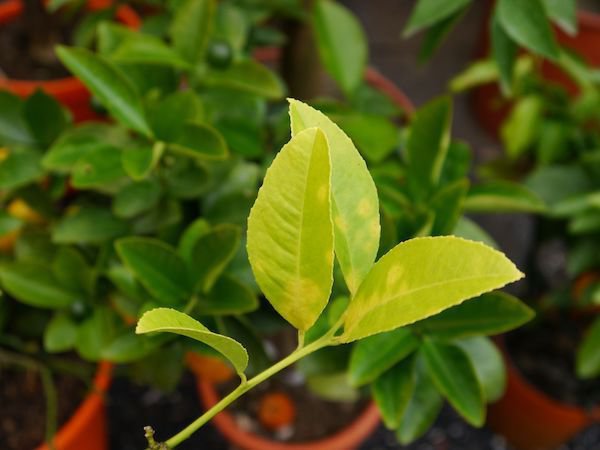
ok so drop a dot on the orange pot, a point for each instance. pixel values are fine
(69, 91)
(347, 439)
(532, 420)
(491, 108)
(86, 429)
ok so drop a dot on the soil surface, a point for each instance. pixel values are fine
(24, 56)
(23, 410)
(545, 353)
(132, 407)
(316, 418)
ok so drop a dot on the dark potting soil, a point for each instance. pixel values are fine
(131, 407)
(545, 354)
(27, 58)
(23, 406)
(315, 417)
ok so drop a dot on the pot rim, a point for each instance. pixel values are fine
(12, 9)
(347, 438)
(589, 19)
(86, 412)
(549, 404)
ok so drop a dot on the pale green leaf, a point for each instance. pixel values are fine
(354, 196)
(290, 230)
(422, 277)
(172, 321)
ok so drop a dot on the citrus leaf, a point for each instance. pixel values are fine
(393, 390)
(422, 277)
(108, 84)
(354, 196)
(342, 43)
(489, 314)
(290, 230)
(455, 377)
(172, 321)
(158, 267)
(374, 355)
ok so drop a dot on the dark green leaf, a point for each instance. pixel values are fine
(527, 24)
(227, 297)
(428, 144)
(374, 355)
(88, 226)
(13, 129)
(247, 76)
(564, 13)
(108, 84)
(35, 285)
(190, 28)
(393, 390)
(60, 334)
(211, 254)
(139, 162)
(169, 116)
(488, 364)
(158, 267)
(98, 168)
(45, 116)
(502, 196)
(136, 198)
(489, 314)
(423, 408)
(588, 354)
(95, 334)
(22, 166)
(200, 141)
(342, 43)
(429, 12)
(455, 377)
(447, 204)
(505, 52)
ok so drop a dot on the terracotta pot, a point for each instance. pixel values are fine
(347, 439)
(86, 429)
(532, 420)
(69, 91)
(489, 106)
(387, 87)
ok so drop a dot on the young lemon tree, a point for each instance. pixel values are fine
(317, 204)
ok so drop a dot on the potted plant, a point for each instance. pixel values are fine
(52, 395)
(303, 164)
(28, 23)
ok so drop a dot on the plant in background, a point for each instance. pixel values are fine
(306, 216)
(513, 24)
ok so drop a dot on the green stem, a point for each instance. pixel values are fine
(244, 387)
